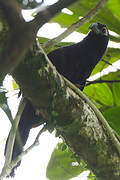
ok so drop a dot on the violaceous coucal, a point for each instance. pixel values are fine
(75, 62)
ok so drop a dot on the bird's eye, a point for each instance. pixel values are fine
(103, 30)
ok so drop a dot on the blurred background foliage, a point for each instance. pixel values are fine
(106, 96)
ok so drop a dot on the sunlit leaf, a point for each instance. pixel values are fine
(114, 55)
(100, 93)
(15, 85)
(62, 166)
(112, 115)
(116, 93)
(114, 6)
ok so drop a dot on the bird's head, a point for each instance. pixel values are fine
(99, 29)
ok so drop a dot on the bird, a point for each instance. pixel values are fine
(75, 62)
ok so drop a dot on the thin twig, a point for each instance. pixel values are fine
(118, 69)
(6, 169)
(75, 25)
(12, 164)
(106, 62)
(35, 143)
(102, 81)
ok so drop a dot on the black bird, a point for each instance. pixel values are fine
(74, 62)
(77, 61)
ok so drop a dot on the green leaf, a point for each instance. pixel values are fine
(61, 166)
(114, 6)
(15, 85)
(112, 115)
(116, 93)
(100, 93)
(114, 55)
(4, 105)
(112, 76)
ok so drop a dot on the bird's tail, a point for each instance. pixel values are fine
(18, 146)
(28, 120)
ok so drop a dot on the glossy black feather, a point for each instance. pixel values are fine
(76, 63)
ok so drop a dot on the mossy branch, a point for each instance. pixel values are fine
(99, 115)
(74, 117)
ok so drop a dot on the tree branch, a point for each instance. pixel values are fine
(6, 169)
(44, 16)
(102, 81)
(75, 117)
(10, 165)
(75, 25)
(19, 40)
(24, 35)
(12, 11)
(35, 143)
(99, 115)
